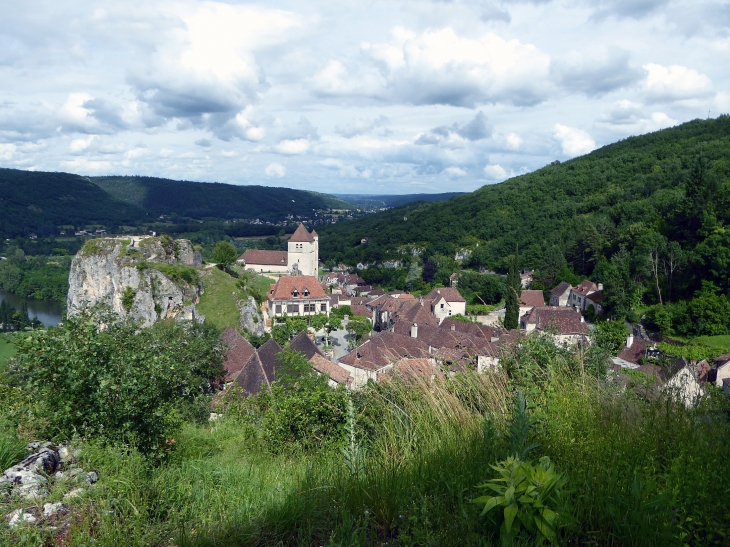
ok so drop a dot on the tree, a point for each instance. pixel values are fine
(119, 384)
(225, 254)
(429, 270)
(611, 335)
(512, 296)
(359, 327)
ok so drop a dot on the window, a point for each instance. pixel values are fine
(442, 306)
(324, 307)
(449, 312)
(310, 308)
(278, 309)
(292, 308)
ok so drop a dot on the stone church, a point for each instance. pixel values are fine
(302, 258)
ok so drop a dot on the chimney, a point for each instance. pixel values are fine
(494, 339)
(600, 286)
(453, 326)
(629, 340)
(414, 330)
(582, 319)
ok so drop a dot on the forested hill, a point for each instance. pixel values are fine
(214, 200)
(377, 201)
(34, 201)
(40, 202)
(669, 188)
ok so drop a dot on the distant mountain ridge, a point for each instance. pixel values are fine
(366, 201)
(39, 202)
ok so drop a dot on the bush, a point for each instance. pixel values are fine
(120, 384)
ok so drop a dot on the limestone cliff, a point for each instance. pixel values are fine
(143, 278)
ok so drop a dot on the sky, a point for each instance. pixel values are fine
(366, 96)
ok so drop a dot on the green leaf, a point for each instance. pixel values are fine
(510, 512)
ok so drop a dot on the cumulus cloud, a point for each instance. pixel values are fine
(477, 129)
(573, 142)
(495, 173)
(675, 83)
(291, 147)
(441, 67)
(275, 170)
(361, 126)
(493, 12)
(595, 74)
(209, 75)
(626, 113)
(205, 143)
(77, 146)
(303, 129)
(454, 172)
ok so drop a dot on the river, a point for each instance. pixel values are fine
(48, 312)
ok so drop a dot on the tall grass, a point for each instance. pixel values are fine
(639, 473)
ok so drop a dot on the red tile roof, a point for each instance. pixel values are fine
(384, 348)
(238, 353)
(562, 287)
(285, 287)
(448, 293)
(532, 298)
(566, 320)
(304, 343)
(301, 235)
(334, 371)
(634, 352)
(265, 258)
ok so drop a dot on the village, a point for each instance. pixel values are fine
(429, 335)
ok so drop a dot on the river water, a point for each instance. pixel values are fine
(48, 312)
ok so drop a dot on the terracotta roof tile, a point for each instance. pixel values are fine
(566, 320)
(304, 343)
(633, 353)
(532, 298)
(334, 371)
(448, 293)
(265, 258)
(238, 353)
(285, 287)
(562, 287)
(301, 235)
(384, 348)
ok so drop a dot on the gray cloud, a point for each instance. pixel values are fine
(205, 143)
(106, 113)
(634, 9)
(596, 75)
(477, 129)
(493, 12)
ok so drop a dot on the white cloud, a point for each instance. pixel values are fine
(291, 147)
(275, 170)
(495, 173)
(441, 67)
(574, 142)
(675, 83)
(7, 151)
(513, 141)
(454, 172)
(79, 145)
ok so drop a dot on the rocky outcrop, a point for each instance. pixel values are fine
(251, 319)
(143, 279)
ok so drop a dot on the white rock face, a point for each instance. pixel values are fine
(19, 516)
(107, 269)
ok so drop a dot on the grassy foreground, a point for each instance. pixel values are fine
(7, 349)
(222, 291)
(638, 472)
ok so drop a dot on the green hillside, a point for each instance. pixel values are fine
(35, 201)
(665, 194)
(214, 200)
(365, 201)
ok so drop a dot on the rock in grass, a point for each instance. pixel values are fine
(75, 493)
(20, 516)
(50, 509)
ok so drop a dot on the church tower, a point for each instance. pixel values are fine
(304, 251)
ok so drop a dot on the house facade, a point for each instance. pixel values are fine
(560, 294)
(445, 302)
(297, 295)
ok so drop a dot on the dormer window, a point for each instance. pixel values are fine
(295, 293)
(306, 292)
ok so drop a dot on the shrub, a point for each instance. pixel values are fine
(121, 384)
(128, 298)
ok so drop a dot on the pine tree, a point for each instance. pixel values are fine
(512, 298)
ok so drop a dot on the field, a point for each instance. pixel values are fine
(721, 342)
(222, 291)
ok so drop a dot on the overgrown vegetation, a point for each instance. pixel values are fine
(41, 277)
(400, 462)
(175, 272)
